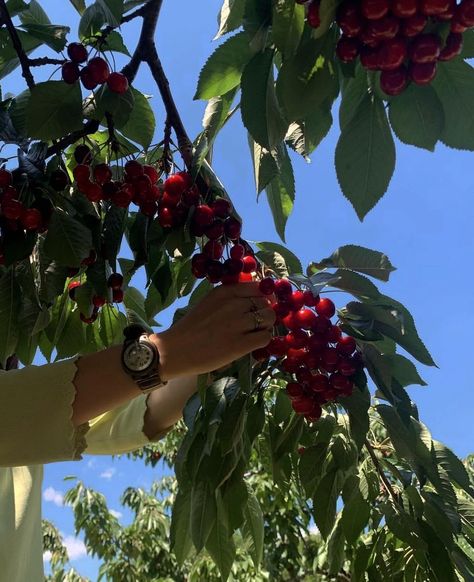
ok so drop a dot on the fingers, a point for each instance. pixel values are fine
(247, 304)
(262, 319)
(250, 289)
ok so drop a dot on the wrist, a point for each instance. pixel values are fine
(167, 368)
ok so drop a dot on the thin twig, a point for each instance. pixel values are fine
(22, 56)
(385, 481)
(40, 61)
(90, 127)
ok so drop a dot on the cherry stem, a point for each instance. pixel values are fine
(383, 477)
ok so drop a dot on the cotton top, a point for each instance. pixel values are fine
(36, 428)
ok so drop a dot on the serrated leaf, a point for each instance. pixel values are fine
(114, 225)
(54, 109)
(357, 406)
(230, 16)
(265, 166)
(404, 371)
(34, 14)
(180, 538)
(120, 106)
(261, 113)
(268, 249)
(324, 501)
(417, 117)
(356, 284)
(336, 549)
(67, 241)
(111, 325)
(453, 466)
(79, 5)
(287, 26)
(221, 547)
(51, 34)
(281, 195)
(8, 56)
(140, 126)
(223, 69)
(454, 84)
(310, 466)
(354, 90)
(72, 338)
(253, 528)
(203, 513)
(365, 156)
(361, 259)
(114, 42)
(9, 311)
(355, 516)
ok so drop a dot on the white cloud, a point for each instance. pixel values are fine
(56, 497)
(108, 473)
(116, 514)
(47, 556)
(75, 548)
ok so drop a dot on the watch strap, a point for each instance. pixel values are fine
(147, 381)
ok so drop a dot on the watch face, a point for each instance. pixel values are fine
(138, 357)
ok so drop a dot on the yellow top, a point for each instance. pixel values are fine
(36, 428)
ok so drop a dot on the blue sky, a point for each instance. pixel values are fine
(424, 224)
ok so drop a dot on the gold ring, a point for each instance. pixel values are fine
(258, 320)
(254, 307)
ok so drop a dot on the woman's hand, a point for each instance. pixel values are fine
(230, 322)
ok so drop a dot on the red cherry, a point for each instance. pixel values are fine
(303, 375)
(347, 367)
(278, 346)
(77, 52)
(170, 201)
(176, 184)
(433, 7)
(12, 209)
(233, 228)
(383, 29)
(347, 49)
(312, 15)
(325, 307)
(322, 325)
(70, 72)
(448, 15)
(334, 334)
(394, 82)
(215, 230)
(295, 391)
(72, 289)
(99, 70)
(90, 259)
(305, 318)
(317, 342)
(266, 286)
(404, 8)
(422, 73)
(148, 208)
(31, 219)
(414, 25)
(58, 180)
(215, 270)
(457, 26)
(199, 265)
(98, 301)
(87, 78)
(213, 249)
(151, 172)
(374, 9)
(133, 169)
(315, 413)
(283, 288)
(319, 383)
(203, 215)
(303, 405)
(117, 295)
(340, 382)
(102, 173)
(452, 48)
(261, 354)
(81, 173)
(222, 207)
(123, 196)
(310, 300)
(93, 192)
(115, 281)
(191, 197)
(5, 178)
(330, 357)
(296, 300)
(367, 39)
(166, 217)
(296, 339)
(117, 83)
(83, 154)
(425, 48)
(238, 252)
(250, 264)
(392, 53)
(349, 19)
(465, 13)
(233, 267)
(88, 319)
(346, 345)
(301, 450)
(369, 58)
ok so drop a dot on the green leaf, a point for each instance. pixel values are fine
(203, 513)
(355, 516)
(120, 106)
(361, 259)
(72, 337)
(223, 69)
(9, 311)
(287, 26)
(114, 42)
(365, 156)
(281, 194)
(99, 13)
(180, 538)
(114, 225)
(453, 466)
(68, 241)
(264, 165)
(54, 109)
(404, 371)
(8, 57)
(310, 466)
(308, 80)
(268, 250)
(140, 126)
(336, 549)
(324, 501)
(317, 124)
(230, 16)
(111, 325)
(79, 5)
(18, 110)
(417, 117)
(468, 44)
(221, 547)
(261, 113)
(357, 406)
(83, 297)
(134, 300)
(14, 7)
(454, 84)
(113, 10)
(253, 528)
(327, 15)
(51, 34)
(257, 19)
(354, 90)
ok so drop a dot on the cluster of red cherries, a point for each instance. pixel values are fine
(13, 212)
(403, 39)
(96, 72)
(321, 360)
(114, 283)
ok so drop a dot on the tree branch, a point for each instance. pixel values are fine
(22, 56)
(45, 61)
(89, 127)
(385, 481)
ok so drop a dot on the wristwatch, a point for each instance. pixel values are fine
(141, 358)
